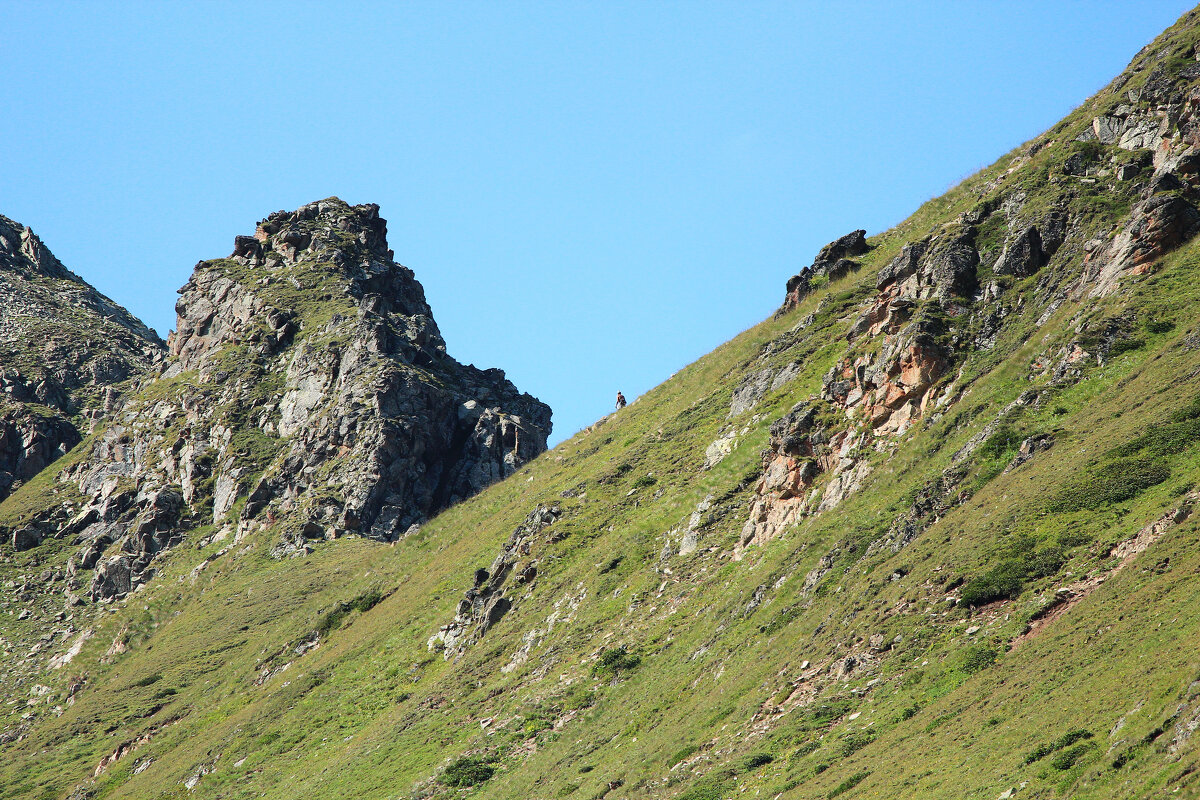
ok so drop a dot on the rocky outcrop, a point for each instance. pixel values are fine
(894, 387)
(942, 268)
(1159, 224)
(413, 430)
(802, 448)
(307, 388)
(64, 350)
(832, 262)
(754, 387)
(1163, 118)
(939, 267)
(1023, 255)
(881, 392)
(485, 603)
(31, 438)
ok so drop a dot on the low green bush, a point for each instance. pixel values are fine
(1067, 758)
(713, 787)
(976, 658)
(1125, 346)
(1113, 481)
(1007, 578)
(1004, 439)
(1066, 740)
(615, 661)
(848, 784)
(1162, 440)
(681, 754)
(578, 698)
(1158, 325)
(851, 743)
(756, 760)
(468, 771)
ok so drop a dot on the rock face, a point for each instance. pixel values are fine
(955, 289)
(414, 430)
(307, 386)
(831, 263)
(1163, 118)
(1023, 255)
(485, 603)
(942, 267)
(797, 452)
(64, 350)
(1159, 224)
(882, 392)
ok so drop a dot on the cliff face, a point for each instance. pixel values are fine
(361, 390)
(65, 351)
(307, 387)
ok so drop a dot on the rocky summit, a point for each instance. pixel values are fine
(306, 381)
(319, 355)
(928, 531)
(67, 353)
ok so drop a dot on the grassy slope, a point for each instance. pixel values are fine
(943, 713)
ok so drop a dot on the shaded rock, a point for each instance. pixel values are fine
(1108, 129)
(114, 578)
(1053, 231)
(950, 267)
(30, 440)
(904, 265)
(26, 538)
(1023, 255)
(64, 347)
(938, 267)
(852, 244)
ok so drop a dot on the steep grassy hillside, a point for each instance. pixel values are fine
(926, 533)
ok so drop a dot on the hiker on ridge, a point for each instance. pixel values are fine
(620, 401)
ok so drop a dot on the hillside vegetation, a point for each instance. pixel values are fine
(927, 532)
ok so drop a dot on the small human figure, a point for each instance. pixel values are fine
(620, 401)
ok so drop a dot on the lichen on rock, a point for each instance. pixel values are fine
(307, 387)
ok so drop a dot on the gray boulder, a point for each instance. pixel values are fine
(1023, 254)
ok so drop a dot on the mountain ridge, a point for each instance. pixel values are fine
(66, 350)
(927, 532)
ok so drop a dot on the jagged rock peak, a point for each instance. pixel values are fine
(308, 392)
(297, 229)
(316, 299)
(309, 269)
(21, 250)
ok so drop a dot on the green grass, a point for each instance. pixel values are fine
(686, 676)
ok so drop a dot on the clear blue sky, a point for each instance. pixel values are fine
(593, 194)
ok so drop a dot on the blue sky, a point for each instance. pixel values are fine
(593, 194)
